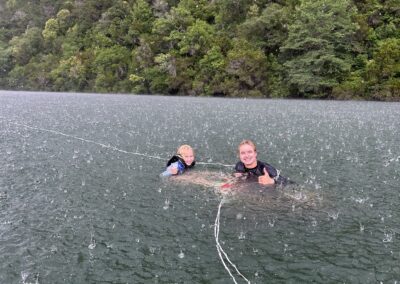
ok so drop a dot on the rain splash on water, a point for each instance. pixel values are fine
(81, 200)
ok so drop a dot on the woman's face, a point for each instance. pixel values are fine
(248, 156)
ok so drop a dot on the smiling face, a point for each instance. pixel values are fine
(248, 156)
(188, 156)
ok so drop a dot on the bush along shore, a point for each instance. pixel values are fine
(321, 49)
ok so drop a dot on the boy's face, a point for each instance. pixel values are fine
(248, 156)
(188, 157)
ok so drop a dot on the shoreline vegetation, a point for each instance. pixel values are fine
(300, 49)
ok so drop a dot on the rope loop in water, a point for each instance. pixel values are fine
(221, 252)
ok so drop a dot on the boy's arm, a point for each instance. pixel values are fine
(171, 170)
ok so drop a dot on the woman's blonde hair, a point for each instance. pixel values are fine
(247, 142)
(184, 148)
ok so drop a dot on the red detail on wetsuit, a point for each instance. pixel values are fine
(226, 185)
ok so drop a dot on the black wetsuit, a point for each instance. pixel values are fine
(254, 173)
(176, 158)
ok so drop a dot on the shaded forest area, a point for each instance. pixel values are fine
(325, 49)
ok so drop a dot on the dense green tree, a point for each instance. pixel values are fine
(142, 20)
(111, 66)
(178, 19)
(5, 63)
(72, 44)
(212, 71)
(65, 20)
(71, 74)
(33, 76)
(196, 40)
(247, 70)
(383, 70)
(143, 71)
(318, 51)
(231, 13)
(25, 46)
(113, 26)
(51, 30)
(267, 30)
(264, 48)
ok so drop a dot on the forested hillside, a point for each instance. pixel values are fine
(335, 49)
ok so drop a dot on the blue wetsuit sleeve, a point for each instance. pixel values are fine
(167, 172)
(178, 165)
(181, 167)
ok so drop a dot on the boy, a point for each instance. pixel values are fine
(183, 160)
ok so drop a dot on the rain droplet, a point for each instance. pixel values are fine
(92, 245)
(166, 204)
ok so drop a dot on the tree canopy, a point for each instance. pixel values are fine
(342, 49)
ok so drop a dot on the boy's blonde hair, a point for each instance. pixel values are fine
(184, 148)
(247, 142)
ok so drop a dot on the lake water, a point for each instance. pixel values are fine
(81, 200)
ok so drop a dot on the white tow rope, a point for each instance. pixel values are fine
(222, 254)
(113, 148)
